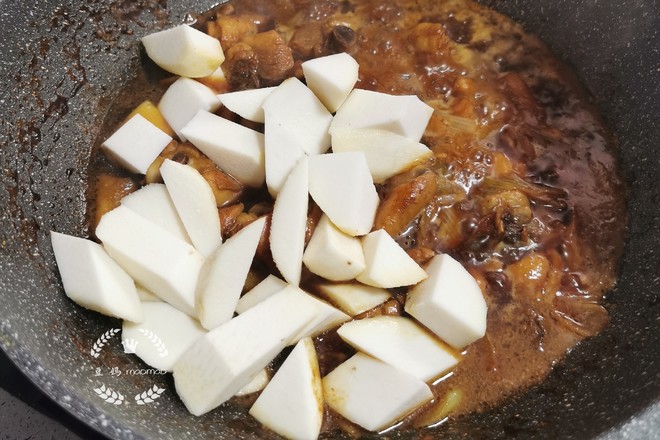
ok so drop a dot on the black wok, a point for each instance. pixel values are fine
(63, 63)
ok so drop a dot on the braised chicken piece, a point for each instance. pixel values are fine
(405, 202)
(258, 60)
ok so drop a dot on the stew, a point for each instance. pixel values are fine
(523, 187)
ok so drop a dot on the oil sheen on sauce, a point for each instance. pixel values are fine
(523, 188)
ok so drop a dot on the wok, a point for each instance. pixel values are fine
(63, 63)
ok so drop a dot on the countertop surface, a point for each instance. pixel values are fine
(27, 413)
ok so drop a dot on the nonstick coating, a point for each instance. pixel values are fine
(63, 63)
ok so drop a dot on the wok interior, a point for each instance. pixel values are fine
(57, 90)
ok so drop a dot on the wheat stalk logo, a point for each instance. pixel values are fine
(154, 339)
(100, 342)
(114, 397)
(149, 396)
(109, 395)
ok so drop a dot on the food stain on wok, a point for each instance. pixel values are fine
(522, 187)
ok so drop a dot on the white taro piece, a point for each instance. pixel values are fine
(387, 264)
(292, 403)
(333, 254)
(162, 337)
(236, 149)
(227, 358)
(195, 203)
(136, 144)
(296, 106)
(154, 203)
(449, 303)
(182, 100)
(184, 51)
(94, 280)
(401, 343)
(289, 222)
(373, 394)
(406, 115)
(247, 103)
(162, 263)
(331, 78)
(341, 184)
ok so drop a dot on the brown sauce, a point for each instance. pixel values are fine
(523, 188)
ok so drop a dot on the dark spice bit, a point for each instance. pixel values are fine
(459, 31)
(342, 38)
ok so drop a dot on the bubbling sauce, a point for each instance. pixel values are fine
(522, 189)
